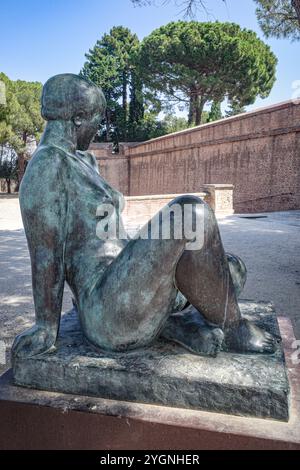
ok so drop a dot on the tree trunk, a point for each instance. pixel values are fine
(21, 167)
(199, 109)
(107, 125)
(191, 117)
(124, 103)
(8, 183)
(21, 161)
(296, 5)
(136, 105)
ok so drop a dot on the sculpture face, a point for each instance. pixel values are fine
(74, 100)
(86, 130)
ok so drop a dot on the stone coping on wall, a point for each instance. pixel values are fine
(132, 149)
(242, 116)
(168, 197)
(257, 111)
(218, 186)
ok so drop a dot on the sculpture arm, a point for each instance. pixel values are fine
(47, 267)
(43, 204)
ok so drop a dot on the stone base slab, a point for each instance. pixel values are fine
(165, 373)
(33, 419)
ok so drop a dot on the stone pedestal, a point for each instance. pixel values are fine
(33, 419)
(220, 198)
(165, 373)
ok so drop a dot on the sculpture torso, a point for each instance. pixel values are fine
(77, 182)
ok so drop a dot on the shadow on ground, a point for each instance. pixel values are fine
(270, 247)
(16, 302)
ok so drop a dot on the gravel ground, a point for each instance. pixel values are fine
(268, 243)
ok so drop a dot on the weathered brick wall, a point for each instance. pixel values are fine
(113, 167)
(257, 152)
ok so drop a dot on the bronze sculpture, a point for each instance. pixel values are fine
(126, 291)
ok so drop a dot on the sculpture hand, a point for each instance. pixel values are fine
(34, 341)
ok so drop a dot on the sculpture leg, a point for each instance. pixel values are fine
(132, 304)
(204, 277)
(211, 281)
(238, 272)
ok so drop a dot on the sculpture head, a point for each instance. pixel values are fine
(71, 98)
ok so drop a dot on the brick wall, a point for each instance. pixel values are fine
(258, 152)
(114, 167)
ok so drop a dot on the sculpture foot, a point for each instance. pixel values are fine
(32, 342)
(188, 329)
(246, 337)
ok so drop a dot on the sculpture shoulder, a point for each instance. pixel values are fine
(44, 172)
(48, 155)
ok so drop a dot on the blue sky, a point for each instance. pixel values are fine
(40, 38)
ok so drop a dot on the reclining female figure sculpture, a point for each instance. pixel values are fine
(125, 290)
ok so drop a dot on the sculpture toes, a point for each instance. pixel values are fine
(31, 343)
(269, 336)
(215, 350)
(214, 341)
(274, 338)
(20, 346)
(219, 335)
(269, 344)
(268, 349)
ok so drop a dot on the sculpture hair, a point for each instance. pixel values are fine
(67, 95)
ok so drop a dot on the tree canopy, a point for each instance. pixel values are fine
(8, 166)
(235, 109)
(215, 112)
(279, 18)
(111, 64)
(188, 7)
(20, 117)
(195, 63)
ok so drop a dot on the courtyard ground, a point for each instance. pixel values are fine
(269, 244)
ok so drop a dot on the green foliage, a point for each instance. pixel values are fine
(235, 109)
(8, 110)
(174, 123)
(20, 118)
(111, 65)
(279, 18)
(204, 117)
(215, 112)
(8, 165)
(147, 128)
(194, 63)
